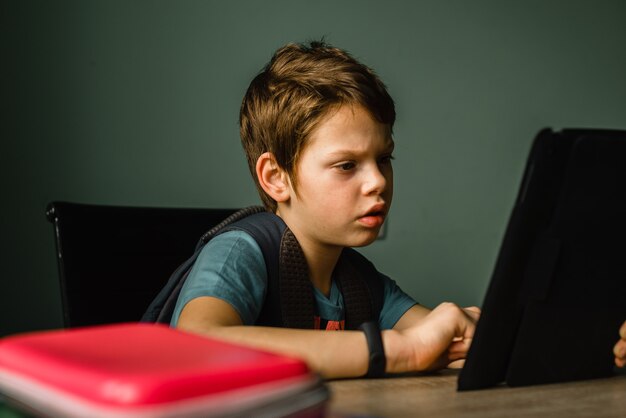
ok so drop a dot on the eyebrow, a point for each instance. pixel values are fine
(389, 147)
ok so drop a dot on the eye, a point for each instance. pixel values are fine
(347, 166)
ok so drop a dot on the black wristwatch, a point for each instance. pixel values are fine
(377, 357)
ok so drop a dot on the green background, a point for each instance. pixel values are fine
(136, 103)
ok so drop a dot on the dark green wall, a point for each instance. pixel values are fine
(136, 103)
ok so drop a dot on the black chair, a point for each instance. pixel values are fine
(113, 260)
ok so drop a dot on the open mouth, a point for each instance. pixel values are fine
(373, 219)
(376, 213)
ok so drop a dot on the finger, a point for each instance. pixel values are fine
(475, 309)
(620, 350)
(620, 362)
(622, 331)
(456, 364)
(472, 312)
(467, 326)
(460, 347)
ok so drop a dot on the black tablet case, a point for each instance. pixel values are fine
(558, 292)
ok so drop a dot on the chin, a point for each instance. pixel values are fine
(364, 241)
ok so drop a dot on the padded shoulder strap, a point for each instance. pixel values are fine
(289, 300)
(295, 287)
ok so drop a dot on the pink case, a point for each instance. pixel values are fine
(146, 370)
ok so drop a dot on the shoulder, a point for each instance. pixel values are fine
(229, 267)
(259, 225)
(396, 303)
(230, 241)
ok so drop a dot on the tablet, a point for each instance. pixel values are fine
(151, 371)
(557, 295)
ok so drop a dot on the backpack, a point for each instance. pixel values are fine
(289, 300)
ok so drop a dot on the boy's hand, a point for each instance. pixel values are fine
(437, 340)
(620, 348)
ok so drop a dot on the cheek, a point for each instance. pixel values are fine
(332, 195)
(316, 191)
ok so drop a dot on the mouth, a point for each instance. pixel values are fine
(374, 217)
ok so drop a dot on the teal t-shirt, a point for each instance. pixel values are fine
(231, 267)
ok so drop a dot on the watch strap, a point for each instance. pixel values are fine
(377, 359)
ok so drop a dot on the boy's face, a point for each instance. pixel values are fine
(344, 181)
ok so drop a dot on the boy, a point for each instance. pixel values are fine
(316, 128)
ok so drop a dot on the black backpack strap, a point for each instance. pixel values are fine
(289, 300)
(162, 307)
(362, 288)
(295, 287)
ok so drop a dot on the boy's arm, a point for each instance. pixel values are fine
(440, 337)
(409, 318)
(324, 351)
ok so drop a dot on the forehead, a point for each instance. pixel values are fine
(351, 127)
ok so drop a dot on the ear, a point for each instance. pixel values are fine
(273, 179)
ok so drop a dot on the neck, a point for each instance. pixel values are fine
(321, 264)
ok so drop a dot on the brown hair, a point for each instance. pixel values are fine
(296, 89)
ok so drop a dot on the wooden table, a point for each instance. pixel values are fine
(436, 396)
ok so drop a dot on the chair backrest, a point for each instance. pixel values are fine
(113, 260)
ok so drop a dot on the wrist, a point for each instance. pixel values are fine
(399, 357)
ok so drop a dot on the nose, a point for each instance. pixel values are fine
(376, 180)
